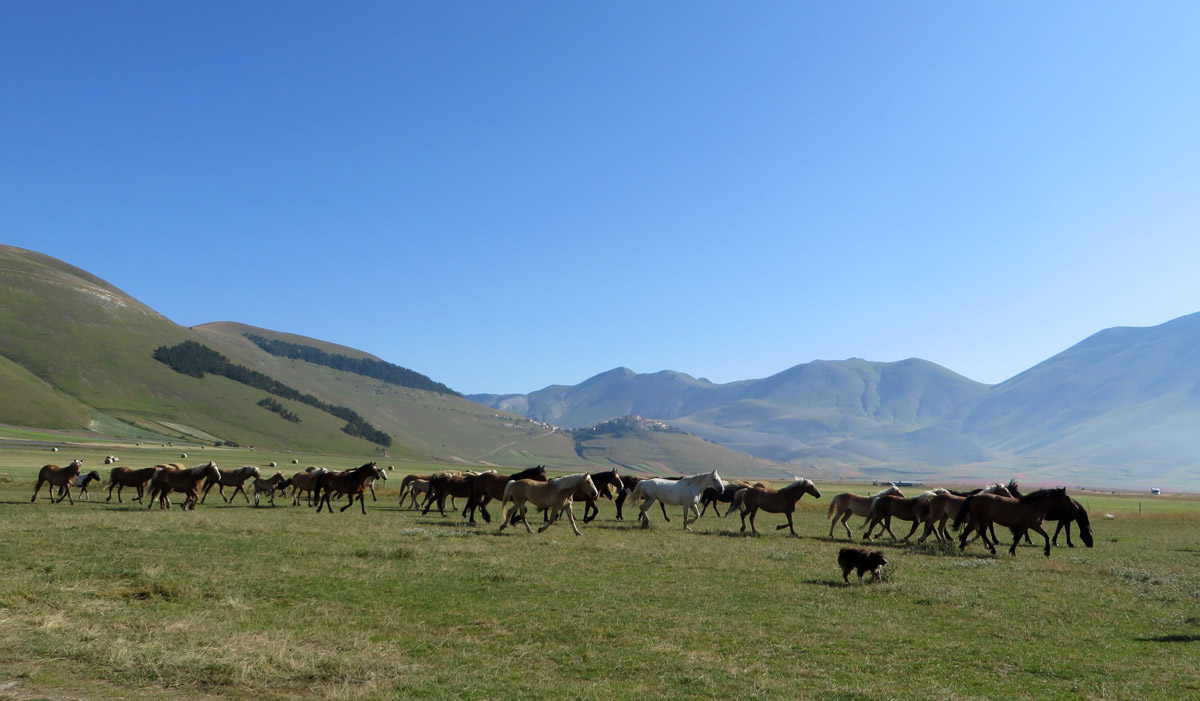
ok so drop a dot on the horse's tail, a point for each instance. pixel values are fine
(832, 505)
(317, 483)
(637, 493)
(736, 505)
(964, 513)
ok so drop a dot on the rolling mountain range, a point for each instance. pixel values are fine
(1117, 409)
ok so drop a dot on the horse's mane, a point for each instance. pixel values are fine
(1042, 493)
(799, 483)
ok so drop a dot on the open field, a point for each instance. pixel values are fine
(102, 600)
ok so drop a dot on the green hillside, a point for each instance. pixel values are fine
(76, 355)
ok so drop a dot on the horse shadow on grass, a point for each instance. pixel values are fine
(1171, 639)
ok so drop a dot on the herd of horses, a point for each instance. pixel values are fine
(975, 514)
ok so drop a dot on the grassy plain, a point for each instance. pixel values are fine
(102, 600)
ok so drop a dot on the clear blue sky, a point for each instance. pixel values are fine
(506, 195)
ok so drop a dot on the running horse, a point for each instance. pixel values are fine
(352, 483)
(684, 492)
(81, 483)
(276, 483)
(608, 484)
(710, 497)
(122, 477)
(845, 505)
(1019, 515)
(783, 501)
(57, 476)
(303, 482)
(555, 496)
(490, 485)
(944, 508)
(885, 508)
(629, 482)
(231, 478)
(175, 477)
(452, 484)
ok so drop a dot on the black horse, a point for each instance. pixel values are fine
(1064, 515)
(712, 496)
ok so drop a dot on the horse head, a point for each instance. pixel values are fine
(714, 480)
(589, 487)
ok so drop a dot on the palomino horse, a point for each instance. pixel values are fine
(944, 507)
(885, 508)
(554, 496)
(608, 484)
(122, 477)
(352, 483)
(490, 485)
(81, 483)
(777, 502)
(412, 488)
(1019, 515)
(684, 492)
(174, 477)
(57, 476)
(846, 505)
(231, 478)
(276, 483)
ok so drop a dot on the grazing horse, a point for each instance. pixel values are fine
(276, 483)
(608, 484)
(122, 477)
(1065, 515)
(554, 496)
(352, 483)
(231, 478)
(777, 502)
(57, 476)
(846, 505)
(888, 507)
(684, 492)
(304, 482)
(490, 485)
(81, 483)
(1019, 515)
(175, 477)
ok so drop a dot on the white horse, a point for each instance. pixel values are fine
(685, 492)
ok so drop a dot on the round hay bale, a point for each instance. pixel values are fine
(295, 461)
(183, 455)
(272, 464)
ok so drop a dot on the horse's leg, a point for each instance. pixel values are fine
(663, 506)
(571, 518)
(71, 501)
(550, 516)
(240, 488)
(1046, 536)
(362, 502)
(790, 526)
(753, 512)
(845, 523)
(350, 503)
(207, 488)
(911, 531)
(525, 517)
(37, 489)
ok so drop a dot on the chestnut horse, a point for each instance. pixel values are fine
(888, 507)
(845, 505)
(554, 496)
(304, 482)
(352, 483)
(122, 477)
(1019, 515)
(944, 507)
(57, 476)
(174, 477)
(777, 502)
(490, 485)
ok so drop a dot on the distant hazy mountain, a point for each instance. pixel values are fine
(853, 410)
(1121, 407)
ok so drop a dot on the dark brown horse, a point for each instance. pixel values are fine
(352, 483)
(122, 477)
(490, 485)
(1064, 516)
(887, 507)
(710, 497)
(783, 501)
(231, 478)
(174, 477)
(1019, 515)
(57, 476)
(607, 483)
